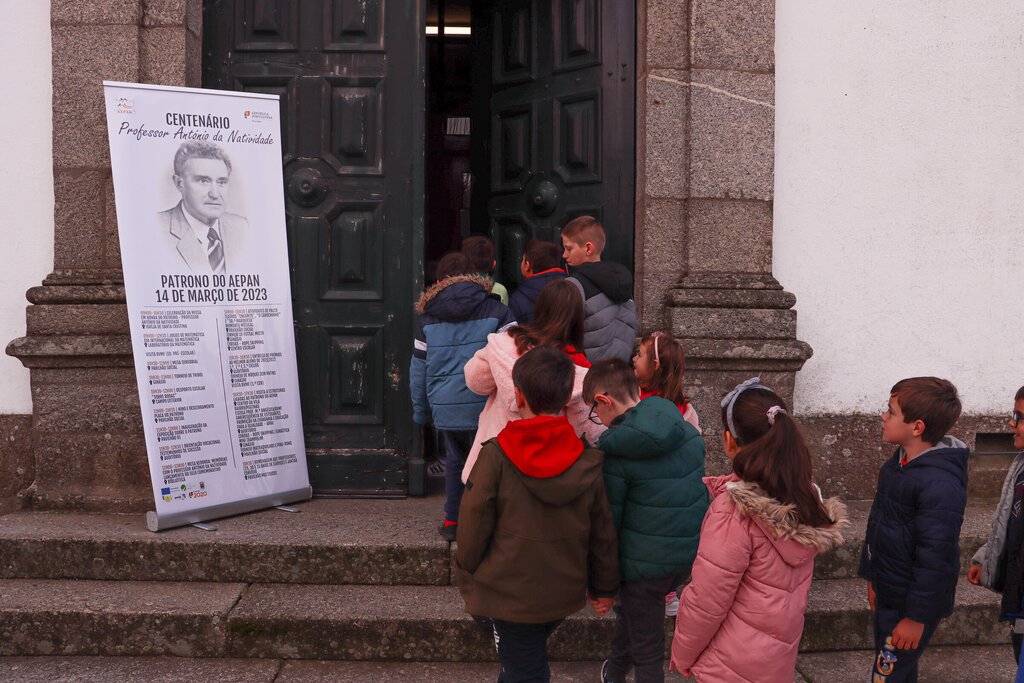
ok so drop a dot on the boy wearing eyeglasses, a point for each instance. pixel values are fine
(999, 564)
(653, 470)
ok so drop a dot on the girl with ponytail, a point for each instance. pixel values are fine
(742, 615)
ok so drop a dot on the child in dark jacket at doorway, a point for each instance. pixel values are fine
(610, 323)
(540, 266)
(455, 317)
(653, 470)
(911, 555)
(535, 533)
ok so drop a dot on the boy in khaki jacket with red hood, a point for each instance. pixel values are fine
(553, 543)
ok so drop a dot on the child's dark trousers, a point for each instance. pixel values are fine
(892, 665)
(638, 641)
(523, 651)
(456, 448)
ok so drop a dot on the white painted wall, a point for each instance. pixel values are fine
(899, 196)
(26, 179)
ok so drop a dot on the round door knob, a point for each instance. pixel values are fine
(544, 198)
(307, 187)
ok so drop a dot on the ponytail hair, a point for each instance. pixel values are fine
(773, 453)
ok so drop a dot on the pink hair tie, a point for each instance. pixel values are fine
(773, 412)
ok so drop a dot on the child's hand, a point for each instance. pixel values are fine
(601, 605)
(974, 574)
(907, 634)
(871, 597)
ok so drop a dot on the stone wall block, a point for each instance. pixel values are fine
(665, 147)
(78, 319)
(733, 34)
(193, 60)
(122, 377)
(91, 471)
(666, 40)
(164, 12)
(661, 258)
(729, 235)
(663, 246)
(78, 219)
(163, 56)
(17, 464)
(652, 291)
(194, 16)
(94, 12)
(732, 133)
(86, 408)
(83, 57)
(112, 242)
(734, 323)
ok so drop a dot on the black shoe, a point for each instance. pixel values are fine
(447, 531)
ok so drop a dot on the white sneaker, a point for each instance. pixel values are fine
(671, 604)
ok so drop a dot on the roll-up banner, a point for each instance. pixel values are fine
(200, 213)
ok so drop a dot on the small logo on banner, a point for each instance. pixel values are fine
(125, 105)
(258, 116)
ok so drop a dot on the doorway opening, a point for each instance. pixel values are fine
(448, 181)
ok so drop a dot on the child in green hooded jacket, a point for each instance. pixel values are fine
(653, 470)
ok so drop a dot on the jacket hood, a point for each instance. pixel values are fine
(546, 452)
(949, 454)
(795, 542)
(650, 429)
(451, 298)
(538, 281)
(609, 277)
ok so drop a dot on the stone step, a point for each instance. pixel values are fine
(177, 669)
(331, 542)
(383, 623)
(843, 562)
(979, 664)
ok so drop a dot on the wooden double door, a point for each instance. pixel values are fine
(553, 138)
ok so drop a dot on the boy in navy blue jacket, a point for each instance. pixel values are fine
(455, 316)
(540, 267)
(911, 555)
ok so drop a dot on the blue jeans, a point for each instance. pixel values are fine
(523, 651)
(890, 664)
(456, 448)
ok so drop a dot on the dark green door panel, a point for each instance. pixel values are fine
(350, 77)
(554, 129)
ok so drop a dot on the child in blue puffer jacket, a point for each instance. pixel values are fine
(455, 316)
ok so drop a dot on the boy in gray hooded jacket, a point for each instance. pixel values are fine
(999, 564)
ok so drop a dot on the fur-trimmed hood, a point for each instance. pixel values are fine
(795, 542)
(433, 292)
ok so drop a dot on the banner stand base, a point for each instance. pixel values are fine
(156, 522)
(204, 526)
(286, 508)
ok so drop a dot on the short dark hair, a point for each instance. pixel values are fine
(545, 375)
(480, 252)
(585, 229)
(199, 149)
(451, 264)
(612, 375)
(1019, 395)
(542, 255)
(932, 400)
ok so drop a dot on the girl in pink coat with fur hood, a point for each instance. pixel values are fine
(742, 615)
(557, 321)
